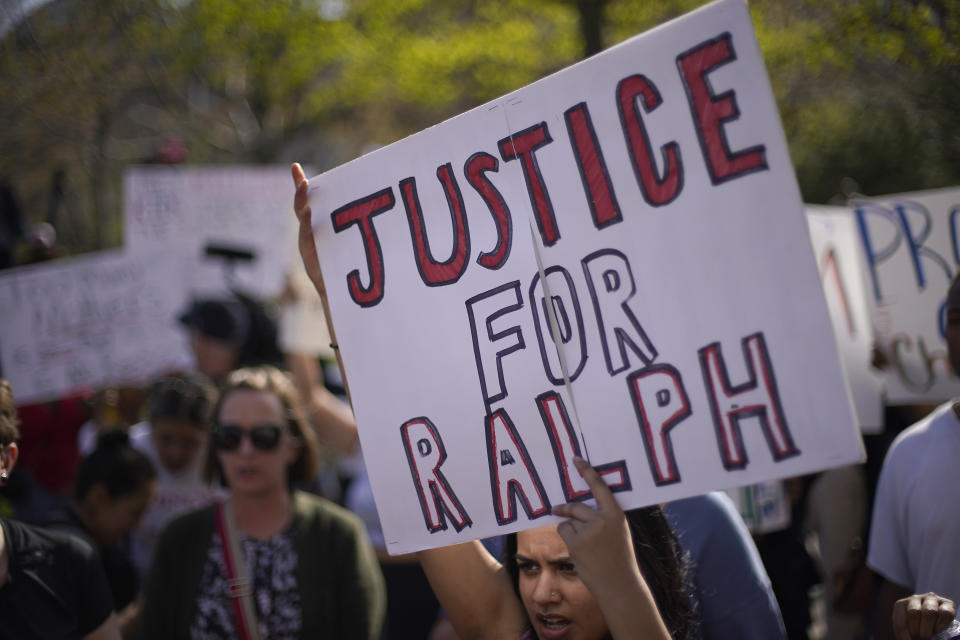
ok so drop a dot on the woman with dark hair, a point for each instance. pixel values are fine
(312, 571)
(51, 584)
(657, 553)
(600, 574)
(114, 486)
(176, 438)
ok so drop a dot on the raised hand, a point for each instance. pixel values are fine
(598, 539)
(601, 548)
(305, 240)
(921, 615)
(332, 419)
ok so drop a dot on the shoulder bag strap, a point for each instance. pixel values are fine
(238, 583)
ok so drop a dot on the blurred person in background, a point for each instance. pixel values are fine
(916, 522)
(230, 333)
(114, 486)
(113, 407)
(268, 559)
(226, 334)
(175, 437)
(730, 589)
(49, 455)
(52, 584)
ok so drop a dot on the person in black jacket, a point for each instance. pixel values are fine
(51, 584)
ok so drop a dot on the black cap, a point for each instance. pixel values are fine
(225, 320)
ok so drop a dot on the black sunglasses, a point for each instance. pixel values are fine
(265, 437)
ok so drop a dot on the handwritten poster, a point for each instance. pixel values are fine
(836, 245)
(78, 324)
(186, 211)
(911, 246)
(611, 262)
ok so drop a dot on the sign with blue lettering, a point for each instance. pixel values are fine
(910, 243)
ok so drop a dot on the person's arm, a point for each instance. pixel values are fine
(601, 548)
(128, 619)
(307, 245)
(331, 418)
(474, 591)
(471, 586)
(109, 630)
(920, 616)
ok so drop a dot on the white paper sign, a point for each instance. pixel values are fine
(653, 184)
(78, 324)
(836, 245)
(183, 210)
(911, 246)
(764, 507)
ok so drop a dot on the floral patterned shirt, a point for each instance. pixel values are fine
(272, 565)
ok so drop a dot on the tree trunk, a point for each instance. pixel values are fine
(591, 24)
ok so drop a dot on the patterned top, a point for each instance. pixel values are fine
(275, 595)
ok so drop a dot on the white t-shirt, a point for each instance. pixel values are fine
(915, 535)
(176, 493)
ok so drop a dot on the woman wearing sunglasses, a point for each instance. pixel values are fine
(269, 562)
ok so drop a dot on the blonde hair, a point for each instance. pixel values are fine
(269, 379)
(9, 421)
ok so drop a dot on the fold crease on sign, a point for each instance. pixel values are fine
(551, 315)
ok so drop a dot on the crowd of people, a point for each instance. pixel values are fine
(215, 505)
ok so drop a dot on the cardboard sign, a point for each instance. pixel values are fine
(186, 211)
(611, 262)
(78, 324)
(836, 245)
(911, 246)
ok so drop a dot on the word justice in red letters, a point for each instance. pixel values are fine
(660, 183)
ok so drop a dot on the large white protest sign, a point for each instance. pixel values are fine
(836, 245)
(642, 203)
(187, 211)
(78, 324)
(911, 246)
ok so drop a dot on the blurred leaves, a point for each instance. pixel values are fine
(866, 89)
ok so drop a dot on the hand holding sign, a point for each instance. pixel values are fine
(526, 282)
(333, 420)
(601, 548)
(598, 539)
(305, 239)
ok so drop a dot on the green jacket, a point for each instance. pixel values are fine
(342, 592)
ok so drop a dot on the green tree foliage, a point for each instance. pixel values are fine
(866, 89)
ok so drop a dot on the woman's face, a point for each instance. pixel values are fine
(179, 443)
(558, 604)
(117, 517)
(249, 468)
(214, 358)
